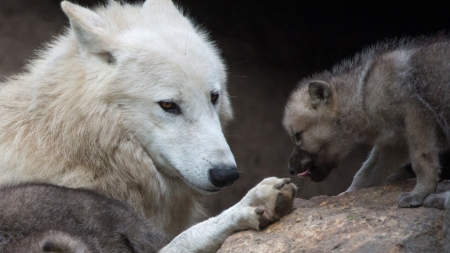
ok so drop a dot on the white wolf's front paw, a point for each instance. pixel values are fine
(267, 202)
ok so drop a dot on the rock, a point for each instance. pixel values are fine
(364, 221)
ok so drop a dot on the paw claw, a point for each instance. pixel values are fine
(259, 211)
(279, 185)
(287, 180)
(264, 222)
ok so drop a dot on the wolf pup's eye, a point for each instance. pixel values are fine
(170, 107)
(214, 97)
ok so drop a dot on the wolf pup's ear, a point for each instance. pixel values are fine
(88, 26)
(320, 93)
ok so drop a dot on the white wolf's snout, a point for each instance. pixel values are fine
(199, 154)
(206, 162)
(223, 170)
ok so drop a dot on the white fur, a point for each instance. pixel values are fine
(87, 113)
(75, 120)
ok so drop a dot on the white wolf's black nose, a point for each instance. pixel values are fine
(223, 175)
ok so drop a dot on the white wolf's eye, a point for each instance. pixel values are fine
(108, 57)
(214, 97)
(170, 107)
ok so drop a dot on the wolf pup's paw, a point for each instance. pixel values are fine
(268, 202)
(410, 199)
(436, 200)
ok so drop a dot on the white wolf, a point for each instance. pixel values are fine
(130, 102)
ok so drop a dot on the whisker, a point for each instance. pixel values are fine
(244, 172)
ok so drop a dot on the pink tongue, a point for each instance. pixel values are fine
(303, 174)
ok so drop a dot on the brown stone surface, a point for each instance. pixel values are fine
(364, 221)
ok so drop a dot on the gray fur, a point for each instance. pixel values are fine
(394, 96)
(46, 218)
(40, 217)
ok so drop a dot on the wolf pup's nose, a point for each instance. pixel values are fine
(223, 175)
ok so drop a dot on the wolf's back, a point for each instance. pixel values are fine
(56, 217)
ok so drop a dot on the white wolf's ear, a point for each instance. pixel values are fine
(88, 26)
(151, 3)
(319, 92)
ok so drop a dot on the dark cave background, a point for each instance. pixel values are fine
(268, 46)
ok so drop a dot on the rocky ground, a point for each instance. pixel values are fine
(364, 221)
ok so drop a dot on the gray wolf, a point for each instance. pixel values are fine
(39, 217)
(43, 216)
(392, 96)
(130, 101)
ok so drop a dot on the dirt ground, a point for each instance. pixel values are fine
(267, 49)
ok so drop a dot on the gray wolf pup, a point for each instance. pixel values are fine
(38, 217)
(130, 101)
(393, 96)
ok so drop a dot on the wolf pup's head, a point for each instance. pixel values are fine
(311, 120)
(167, 79)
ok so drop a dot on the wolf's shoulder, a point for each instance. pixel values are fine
(389, 45)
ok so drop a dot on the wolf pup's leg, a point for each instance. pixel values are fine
(266, 203)
(406, 171)
(424, 153)
(402, 173)
(380, 164)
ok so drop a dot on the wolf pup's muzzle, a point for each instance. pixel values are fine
(223, 175)
(302, 164)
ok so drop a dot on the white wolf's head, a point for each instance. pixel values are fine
(169, 82)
